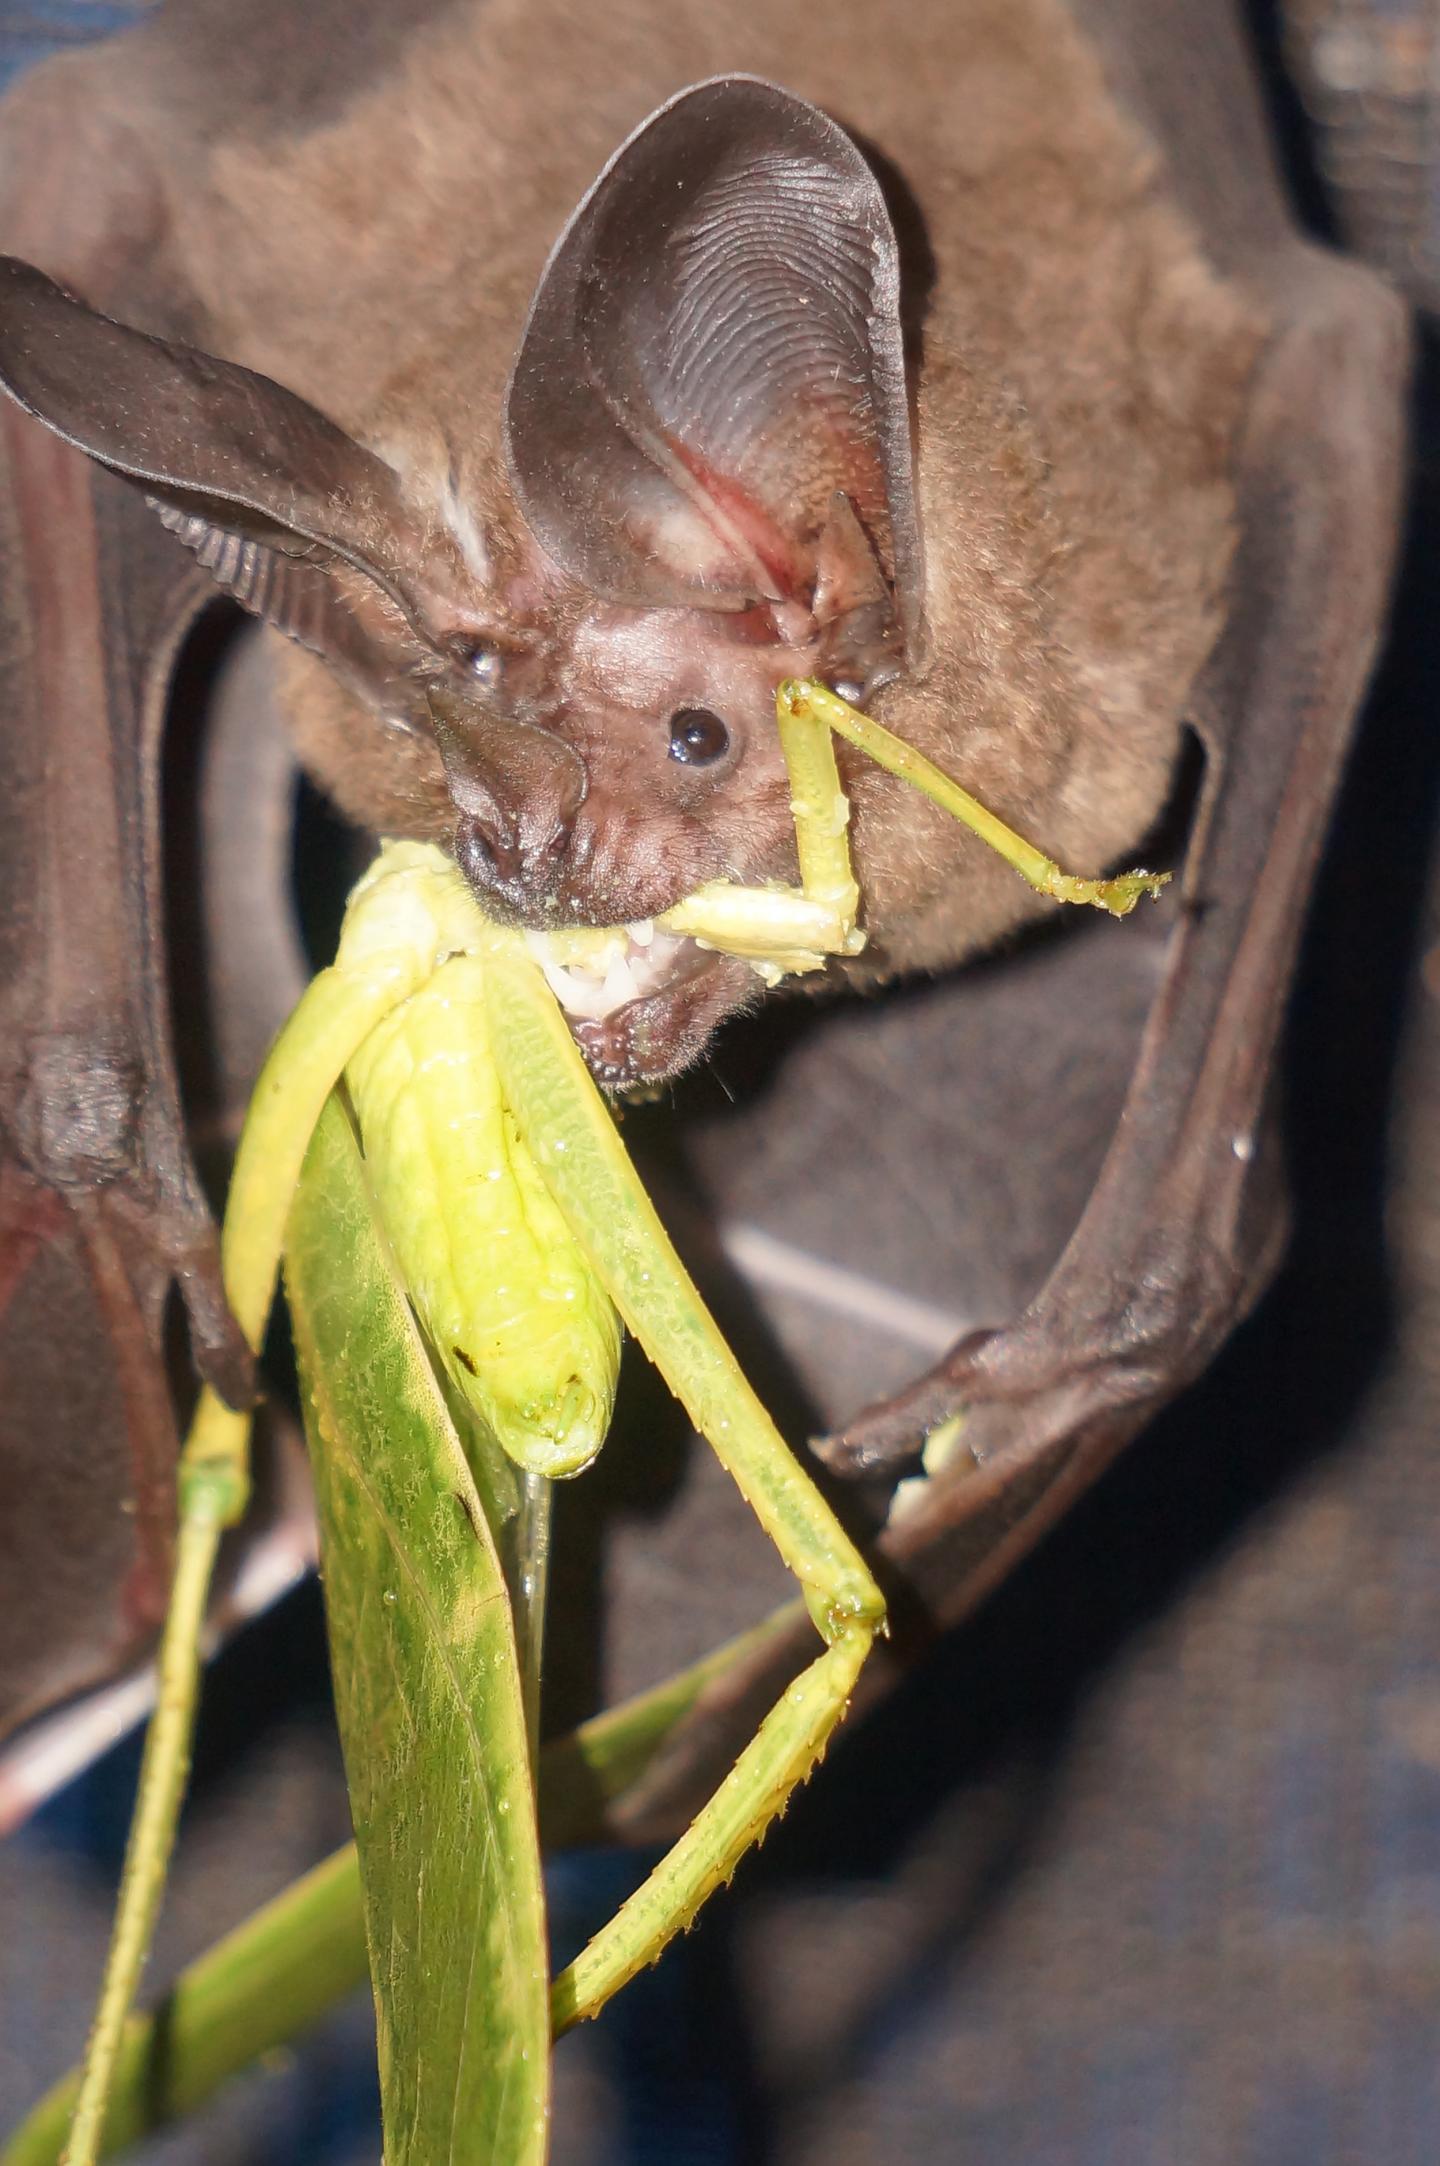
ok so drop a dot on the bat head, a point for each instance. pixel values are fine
(706, 486)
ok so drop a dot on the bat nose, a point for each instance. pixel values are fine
(517, 790)
(512, 860)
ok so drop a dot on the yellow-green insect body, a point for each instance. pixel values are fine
(525, 1330)
(520, 1227)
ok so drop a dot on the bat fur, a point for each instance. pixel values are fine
(1077, 374)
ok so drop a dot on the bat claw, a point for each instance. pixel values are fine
(217, 1341)
(887, 1439)
(222, 1353)
(1067, 1366)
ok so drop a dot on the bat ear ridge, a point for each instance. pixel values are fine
(264, 488)
(714, 354)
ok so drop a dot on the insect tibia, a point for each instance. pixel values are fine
(782, 1753)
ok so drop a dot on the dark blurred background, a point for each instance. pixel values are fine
(1145, 1864)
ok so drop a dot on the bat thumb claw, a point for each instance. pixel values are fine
(886, 1441)
(223, 1355)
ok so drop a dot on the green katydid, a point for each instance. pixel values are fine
(489, 1137)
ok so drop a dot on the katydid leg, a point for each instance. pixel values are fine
(575, 1143)
(788, 1744)
(339, 1010)
(574, 1140)
(205, 1511)
(1118, 895)
(790, 929)
(785, 931)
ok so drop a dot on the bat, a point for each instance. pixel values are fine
(975, 366)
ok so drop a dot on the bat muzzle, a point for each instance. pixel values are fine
(518, 790)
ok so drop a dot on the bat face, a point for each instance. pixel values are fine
(589, 763)
(555, 646)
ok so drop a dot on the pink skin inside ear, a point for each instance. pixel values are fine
(768, 560)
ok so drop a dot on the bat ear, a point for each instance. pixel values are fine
(712, 359)
(275, 499)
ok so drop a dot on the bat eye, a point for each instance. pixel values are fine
(481, 661)
(697, 737)
(850, 689)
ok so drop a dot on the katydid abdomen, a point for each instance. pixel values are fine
(525, 1330)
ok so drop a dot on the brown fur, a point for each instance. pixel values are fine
(1078, 375)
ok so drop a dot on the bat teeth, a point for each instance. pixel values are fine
(621, 985)
(595, 987)
(578, 993)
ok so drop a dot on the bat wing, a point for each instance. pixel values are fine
(101, 1215)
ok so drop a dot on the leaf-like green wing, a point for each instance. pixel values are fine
(280, 1970)
(429, 1699)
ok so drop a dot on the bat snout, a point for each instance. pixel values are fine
(515, 864)
(517, 790)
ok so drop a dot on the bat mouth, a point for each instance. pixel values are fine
(594, 975)
(641, 1003)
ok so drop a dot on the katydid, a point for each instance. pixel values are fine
(511, 1203)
